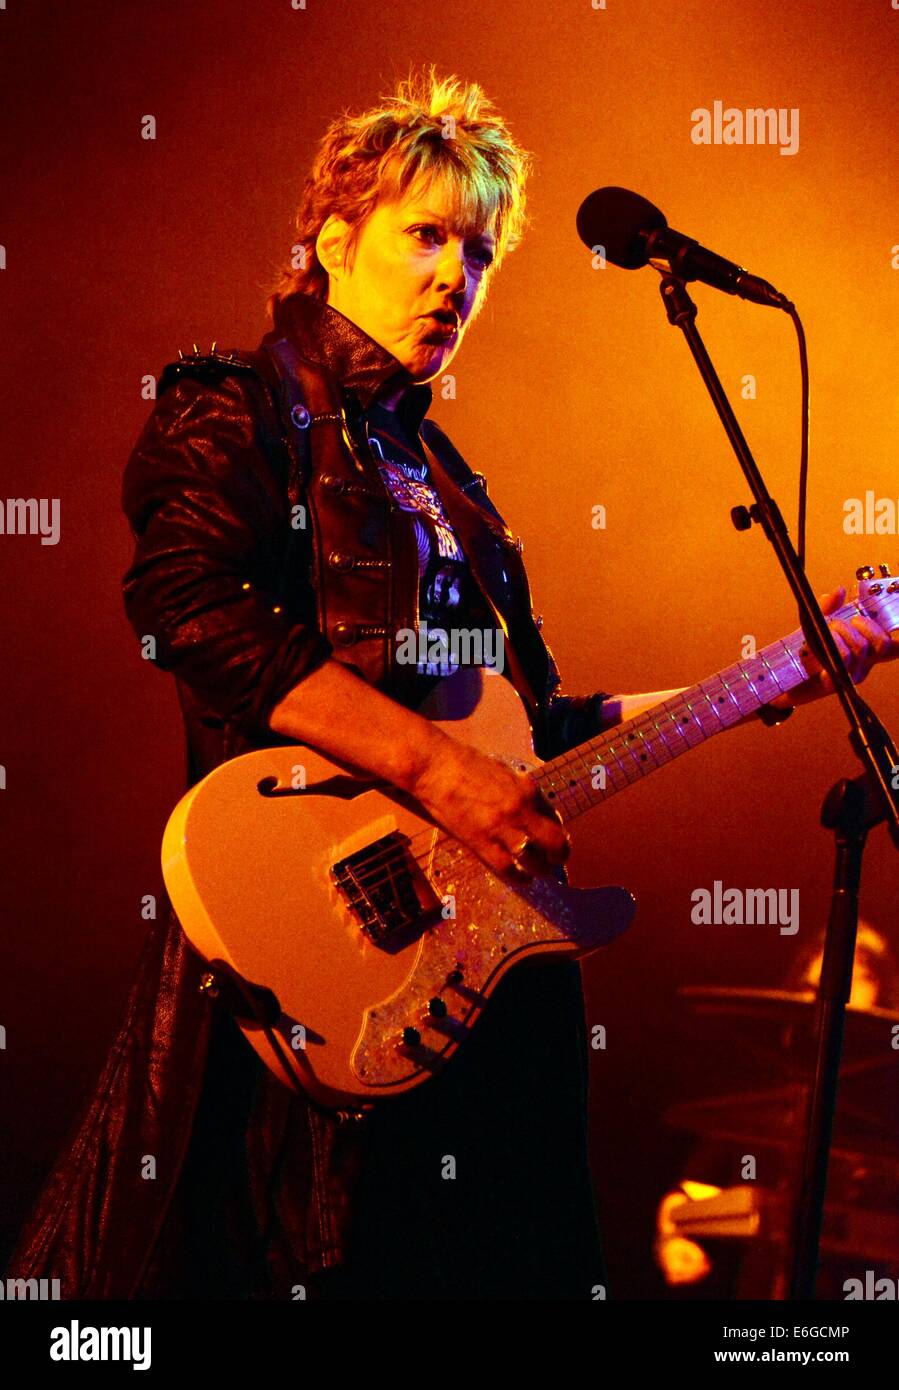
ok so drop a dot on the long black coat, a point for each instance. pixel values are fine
(193, 1171)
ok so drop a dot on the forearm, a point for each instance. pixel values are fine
(345, 717)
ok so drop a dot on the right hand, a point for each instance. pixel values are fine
(491, 808)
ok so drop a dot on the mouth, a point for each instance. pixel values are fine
(443, 324)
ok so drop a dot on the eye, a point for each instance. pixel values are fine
(482, 253)
(476, 251)
(430, 232)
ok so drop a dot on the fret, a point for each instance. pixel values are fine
(660, 750)
(654, 748)
(684, 722)
(633, 748)
(780, 664)
(579, 787)
(658, 735)
(623, 769)
(670, 737)
(722, 701)
(645, 733)
(707, 714)
(671, 731)
(798, 673)
(757, 681)
(558, 788)
(744, 692)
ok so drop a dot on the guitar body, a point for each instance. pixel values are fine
(381, 937)
(370, 940)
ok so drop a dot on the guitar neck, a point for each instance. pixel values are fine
(583, 777)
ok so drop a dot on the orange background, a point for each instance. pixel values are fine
(572, 390)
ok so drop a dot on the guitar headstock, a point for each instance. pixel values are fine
(878, 595)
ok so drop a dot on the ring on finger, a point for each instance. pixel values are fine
(519, 851)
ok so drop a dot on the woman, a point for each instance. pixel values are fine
(194, 1172)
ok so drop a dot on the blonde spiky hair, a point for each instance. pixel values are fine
(441, 127)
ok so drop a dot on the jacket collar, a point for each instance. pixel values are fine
(329, 339)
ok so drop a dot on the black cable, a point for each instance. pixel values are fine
(803, 461)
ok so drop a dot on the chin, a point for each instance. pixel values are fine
(433, 366)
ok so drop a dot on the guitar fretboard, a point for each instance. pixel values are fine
(581, 778)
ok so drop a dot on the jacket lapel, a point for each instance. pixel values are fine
(489, 549)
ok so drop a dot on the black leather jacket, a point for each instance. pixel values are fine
(239, 604)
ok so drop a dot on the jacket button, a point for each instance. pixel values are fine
(345, 634)
(331, 483)
(300, 416)
(341, 560)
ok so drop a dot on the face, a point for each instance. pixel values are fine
(410, 260)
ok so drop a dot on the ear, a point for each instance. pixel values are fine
(330, 244)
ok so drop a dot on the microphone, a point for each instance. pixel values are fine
(633, 233)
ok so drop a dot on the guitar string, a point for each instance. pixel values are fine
(394, 857)
(398, 856)
(641, 724)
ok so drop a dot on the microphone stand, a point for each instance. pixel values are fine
(850, 809)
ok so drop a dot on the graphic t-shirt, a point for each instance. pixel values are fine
(449, 598)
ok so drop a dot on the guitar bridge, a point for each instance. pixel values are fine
(385, 886)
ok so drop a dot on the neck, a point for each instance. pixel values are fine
(594, 771)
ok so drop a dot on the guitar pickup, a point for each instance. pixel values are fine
(386, 888)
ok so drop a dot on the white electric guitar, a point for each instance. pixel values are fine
(366, 940)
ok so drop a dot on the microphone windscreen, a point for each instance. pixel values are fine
(615, 219)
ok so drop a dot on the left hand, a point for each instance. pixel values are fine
(862, 643)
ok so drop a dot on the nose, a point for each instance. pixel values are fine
(452, 275)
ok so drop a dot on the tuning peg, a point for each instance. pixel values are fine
(212, 349)
(884, 571)
(865, 572)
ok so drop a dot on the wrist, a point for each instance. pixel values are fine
(609, 712)
(419, 759)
